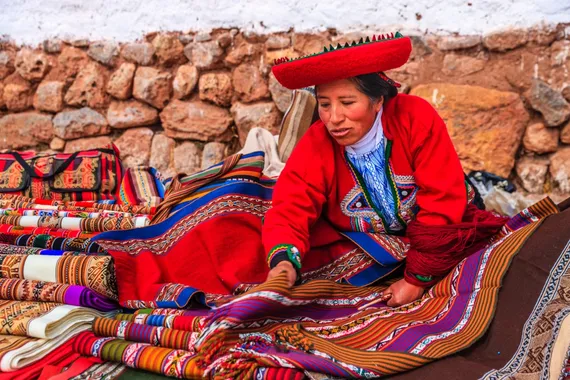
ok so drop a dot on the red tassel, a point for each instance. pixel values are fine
(392, 35)
(373, 37)
(382, 37)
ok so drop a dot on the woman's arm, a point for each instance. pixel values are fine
(298, 199)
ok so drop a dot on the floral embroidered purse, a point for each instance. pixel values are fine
(86, 175)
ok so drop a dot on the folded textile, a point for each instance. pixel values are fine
(95, 272)
(170, 362)
(42, 328)
(104, 370)
(191, 323)
(8, 249)
(44, 320)
(51, 242)
(55, 232)
(141, 186)
(157, 265)
(23, 358)
(65, 371)
(62, 213)
(153, 335)
(40, 291)
(7, 201)
(99, 224)
(260, 139)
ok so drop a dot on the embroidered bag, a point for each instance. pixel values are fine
(94, 174)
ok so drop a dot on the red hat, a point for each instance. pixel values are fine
(381, 53)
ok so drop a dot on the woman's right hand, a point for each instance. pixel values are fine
(287, 267)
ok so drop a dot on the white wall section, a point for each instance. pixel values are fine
(32, 21)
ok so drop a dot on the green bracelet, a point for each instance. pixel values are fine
(423, 278)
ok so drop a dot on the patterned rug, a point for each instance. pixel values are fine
(543, 349)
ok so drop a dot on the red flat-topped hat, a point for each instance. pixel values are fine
(381, 53)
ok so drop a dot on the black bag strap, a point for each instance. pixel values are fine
(32, 173)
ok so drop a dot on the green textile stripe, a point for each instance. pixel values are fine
(125, 317)
(40, 241)
(136, 374)
(114, 351)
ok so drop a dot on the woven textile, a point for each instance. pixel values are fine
(76, 295)
(55, 232)
(88, 175)
(7, 249)
(141, 187)
(297, 119)
(23, 358)
(60, 213)
(153, 335)
(50, 242)
(318, 327)
(20, 202)
(45, 320)
(171, 362)
(98, 224)
(181, 188)
(95, 272)
(545, 342)
(177, 321)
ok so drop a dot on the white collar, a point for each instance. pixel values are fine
(370, 140)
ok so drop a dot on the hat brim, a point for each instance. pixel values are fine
(344, 62)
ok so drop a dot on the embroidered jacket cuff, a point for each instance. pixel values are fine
(290, 251)
(286, 252)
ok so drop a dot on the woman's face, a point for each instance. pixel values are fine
(347, 113)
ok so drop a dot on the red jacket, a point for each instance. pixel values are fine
(318, 182)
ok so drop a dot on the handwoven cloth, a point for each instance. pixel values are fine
(44, 320)
(75, 295)
(322, 329)
(95, 272)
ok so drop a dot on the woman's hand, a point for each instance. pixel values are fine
(284, 266)
(403, 293)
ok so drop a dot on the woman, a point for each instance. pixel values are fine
(376, 162)
(375, 181)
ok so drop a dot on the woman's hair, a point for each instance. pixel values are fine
(373, 86)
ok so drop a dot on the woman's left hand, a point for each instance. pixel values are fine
(403, 293)
(288, 268)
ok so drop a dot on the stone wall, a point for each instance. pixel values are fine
(181, 102)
